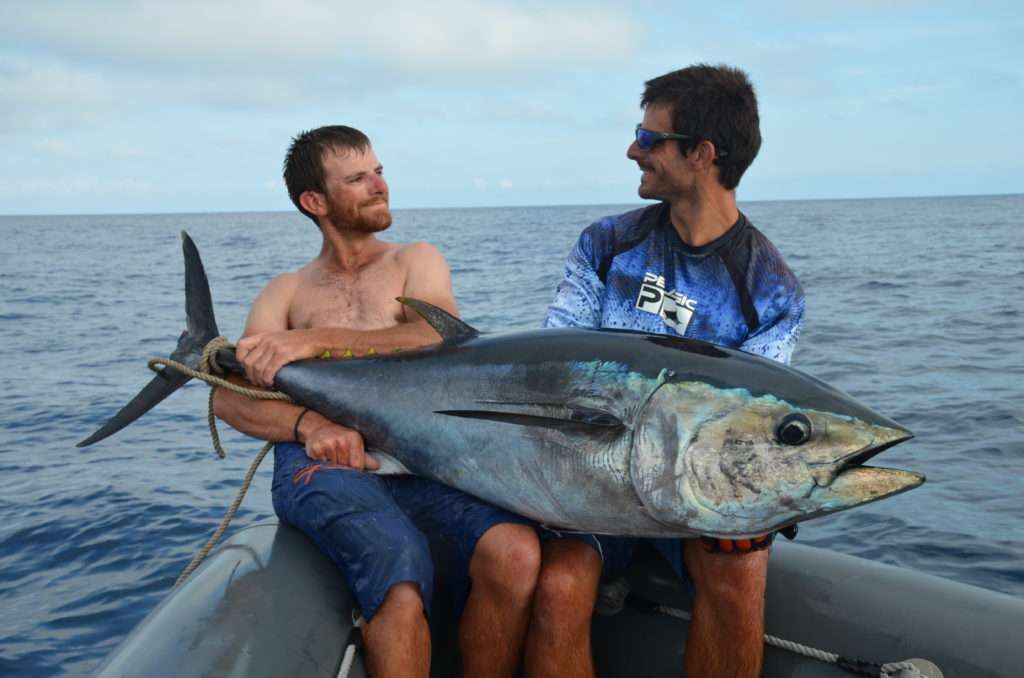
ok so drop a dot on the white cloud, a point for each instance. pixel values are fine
(488, 36)
(46, 94)
(103, 57)
(405, 36)
(78, 185)
(126, 151)
(519, 109)
(48, 82)
(54, 146)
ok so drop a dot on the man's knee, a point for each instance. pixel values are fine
(567, 585)
(507, 556)
(403, 604)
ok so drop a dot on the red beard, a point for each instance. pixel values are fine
(356, 218)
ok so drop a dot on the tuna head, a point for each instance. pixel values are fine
(726, 463)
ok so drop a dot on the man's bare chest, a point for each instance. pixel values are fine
(363, 301)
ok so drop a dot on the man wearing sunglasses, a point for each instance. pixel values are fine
(694, 266)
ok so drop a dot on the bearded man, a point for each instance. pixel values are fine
(343, 302)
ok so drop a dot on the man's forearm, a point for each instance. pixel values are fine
(279, 422)
(264, 354)
(271, 420)
(341, 342)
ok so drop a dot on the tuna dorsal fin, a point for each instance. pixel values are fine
(444, 323)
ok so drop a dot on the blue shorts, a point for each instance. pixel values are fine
(373, 526)
(617, 553)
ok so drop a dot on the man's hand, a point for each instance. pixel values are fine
(339, 445)
(262, 355)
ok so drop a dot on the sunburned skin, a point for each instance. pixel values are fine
(360, 300)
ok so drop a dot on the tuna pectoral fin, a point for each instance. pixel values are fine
(451, 329)
(865, 484)
(567, 420)
(389, 466)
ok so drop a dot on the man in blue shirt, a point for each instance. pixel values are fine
(694, 266)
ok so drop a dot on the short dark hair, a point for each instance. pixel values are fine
(304, 166)
(714, 103)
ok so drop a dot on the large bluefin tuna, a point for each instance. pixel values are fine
(601, 431)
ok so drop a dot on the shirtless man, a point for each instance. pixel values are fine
(343, 303)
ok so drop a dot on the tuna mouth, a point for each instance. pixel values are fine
(864, 484)
(881, 443)
(826, 474)
(854, 484)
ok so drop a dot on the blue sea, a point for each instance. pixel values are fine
(914, 307)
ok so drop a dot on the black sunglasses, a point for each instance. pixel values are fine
(647, 140)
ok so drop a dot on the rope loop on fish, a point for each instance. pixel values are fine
(207, 366)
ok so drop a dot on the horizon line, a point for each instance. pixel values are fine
(493, 207)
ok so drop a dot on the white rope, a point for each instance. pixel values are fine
(350, 652)
(346, 661)
(805, 650)
(902, 669)
(226, 520)
(207, 364)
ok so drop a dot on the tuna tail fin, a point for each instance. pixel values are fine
(200, 328)
(451, 329)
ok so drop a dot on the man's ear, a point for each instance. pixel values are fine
(314, 203)
(703, 154)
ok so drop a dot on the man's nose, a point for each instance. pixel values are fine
(633, 151)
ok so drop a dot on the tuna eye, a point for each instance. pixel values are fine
(794, 429)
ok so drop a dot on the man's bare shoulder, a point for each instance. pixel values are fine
(285, 284)
(416, 254)
(413, 248)
(269, 313)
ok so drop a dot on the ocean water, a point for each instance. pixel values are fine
(914, 307)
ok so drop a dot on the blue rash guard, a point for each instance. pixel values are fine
(632, 271)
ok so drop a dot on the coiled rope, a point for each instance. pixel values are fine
(207, 366)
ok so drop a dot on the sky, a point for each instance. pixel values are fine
(188, 106)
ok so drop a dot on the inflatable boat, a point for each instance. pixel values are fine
(268, 604)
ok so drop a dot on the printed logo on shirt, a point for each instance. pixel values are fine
(675, 308)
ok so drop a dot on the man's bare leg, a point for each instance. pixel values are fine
(398, 638)
(558, 642)
(726, 636)
(503, 572)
